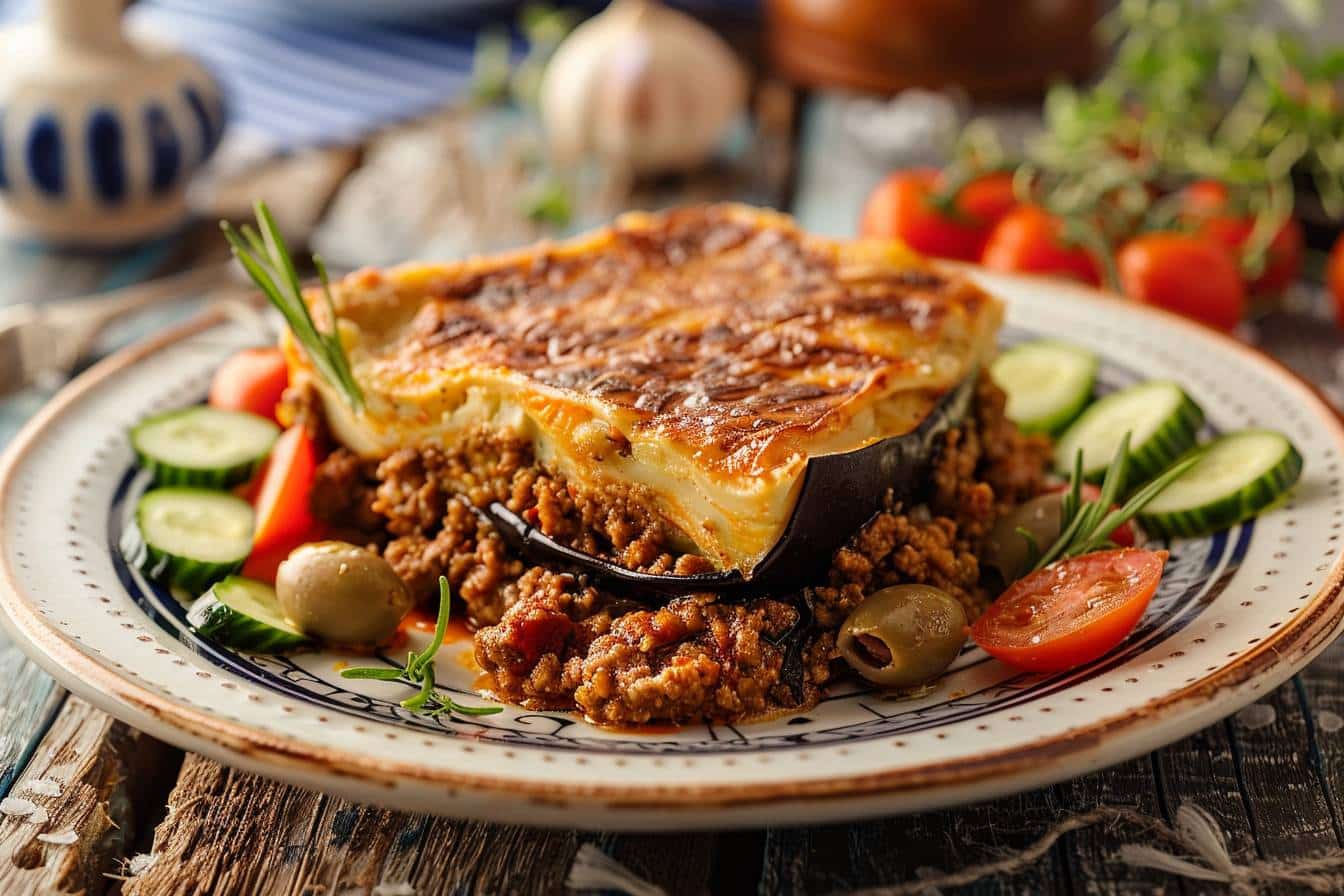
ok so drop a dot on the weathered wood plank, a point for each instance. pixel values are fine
(906, 849)
(987, 831)
(220, 826)
(1289, 812)
(1088, 855)
(246, 834)
(1322, 689)
(111, 779)
(684, 863)
(1201, 770)
(29, 700)
(467, 857)
(838, 858)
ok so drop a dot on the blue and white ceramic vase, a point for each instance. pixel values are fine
(99, 134)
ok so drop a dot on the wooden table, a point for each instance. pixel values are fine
(1273, 777)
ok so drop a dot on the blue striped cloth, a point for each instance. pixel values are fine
(296, 80)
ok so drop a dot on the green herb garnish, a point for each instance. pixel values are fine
(266, 259)
(419, 671)
(549, 203)
(1086, 526)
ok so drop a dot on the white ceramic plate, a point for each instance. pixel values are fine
(1236, 615)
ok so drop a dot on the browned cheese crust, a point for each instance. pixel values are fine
(722, 328)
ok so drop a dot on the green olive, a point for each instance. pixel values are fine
(341, 593)
(904, 636)
(1007, 551)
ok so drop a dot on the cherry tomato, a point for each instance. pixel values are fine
(1027, 241)
(1334, 278)
(1071, 612)
(282, 502)
(249, 490)
(252, 380)
(988, 199)
(1188, 274)
(900, 207)
(1205, 203)
(1124, 535)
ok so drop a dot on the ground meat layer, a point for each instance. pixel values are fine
(416, 507)
(552, 640)
(984, 467)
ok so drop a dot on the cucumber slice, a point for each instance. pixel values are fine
(192, 537)
(1048, 383)
(1236, 477)
(244, 614)
(203, 446)
(1162, 422)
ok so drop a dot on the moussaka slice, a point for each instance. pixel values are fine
(689, 363)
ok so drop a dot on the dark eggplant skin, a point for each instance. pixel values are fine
(537, 547)
(840, 493)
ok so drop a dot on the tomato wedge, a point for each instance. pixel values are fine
(252, 380)
(1071, 612)
(282, 502)
(263, 563)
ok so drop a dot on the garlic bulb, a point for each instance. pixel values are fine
(641, 86)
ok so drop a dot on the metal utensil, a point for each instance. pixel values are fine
(50, 338)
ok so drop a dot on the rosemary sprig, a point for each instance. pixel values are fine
(267, 261)
(1086, 526)
(419, 671)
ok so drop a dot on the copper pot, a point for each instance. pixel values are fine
(994, 49)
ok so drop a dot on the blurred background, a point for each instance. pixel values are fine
(1189, 153)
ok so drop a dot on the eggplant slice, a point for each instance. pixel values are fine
(840, 493)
